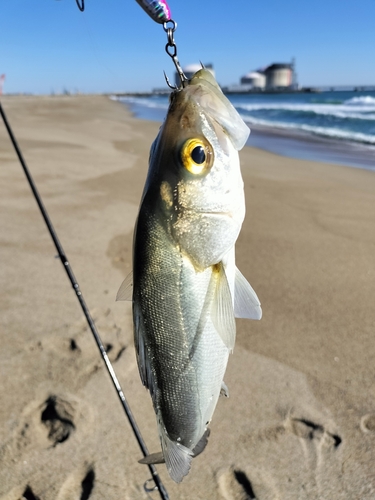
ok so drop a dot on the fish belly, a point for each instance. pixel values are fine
(181, 357)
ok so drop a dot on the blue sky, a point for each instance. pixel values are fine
(49, 45)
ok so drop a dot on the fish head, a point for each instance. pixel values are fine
(194, 165)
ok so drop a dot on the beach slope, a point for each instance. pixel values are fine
(300, 420)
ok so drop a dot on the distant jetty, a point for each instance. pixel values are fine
(243, 89)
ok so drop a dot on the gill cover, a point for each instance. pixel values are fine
(214, 102)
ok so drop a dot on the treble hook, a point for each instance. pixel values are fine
(81, 7)
(173, 87)
(171, 50)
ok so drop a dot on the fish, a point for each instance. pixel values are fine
(185, 287)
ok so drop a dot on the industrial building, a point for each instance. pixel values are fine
(256, 79)
(275, 77)
(279, 76)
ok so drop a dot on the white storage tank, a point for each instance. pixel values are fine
(279, 75)
(255, 79)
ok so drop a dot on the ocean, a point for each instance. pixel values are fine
(336, 127)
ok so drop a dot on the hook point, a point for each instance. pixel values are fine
(173, 87)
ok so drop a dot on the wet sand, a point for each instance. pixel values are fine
(300, 420)
(305, 146)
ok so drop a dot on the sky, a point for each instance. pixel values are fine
(114, 46)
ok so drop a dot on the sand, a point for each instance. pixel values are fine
(300, 420)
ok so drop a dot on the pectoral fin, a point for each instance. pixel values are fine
(125, 291)
(246, 302)
(222, 313)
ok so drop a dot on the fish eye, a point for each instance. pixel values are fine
(197, 155)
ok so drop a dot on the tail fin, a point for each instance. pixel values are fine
(177, 457)
(158, 458)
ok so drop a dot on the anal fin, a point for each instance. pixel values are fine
(202, 443)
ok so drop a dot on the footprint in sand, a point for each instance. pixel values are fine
(21, 493)
(73, 352)
(81, 348)
(234, 484)
(79, 484)
(28, 494)
(47, 422)
(309, 430)
(367, 423)
(58, 417)
(319, 446)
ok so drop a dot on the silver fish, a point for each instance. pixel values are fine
(186, 289)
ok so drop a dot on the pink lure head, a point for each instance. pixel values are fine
(158, 10)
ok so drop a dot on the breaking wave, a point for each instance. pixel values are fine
(328, 132)
(365, 100)
(363, 110)
(332, 115)
(351, 119)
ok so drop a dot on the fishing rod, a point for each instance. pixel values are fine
(64, 260)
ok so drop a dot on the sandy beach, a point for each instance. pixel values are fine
(300, 420)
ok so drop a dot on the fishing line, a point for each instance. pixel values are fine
(64, 260)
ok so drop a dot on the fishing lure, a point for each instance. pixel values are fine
(158, 10)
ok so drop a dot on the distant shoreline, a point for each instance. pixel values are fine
(292, 143)
(228, 91)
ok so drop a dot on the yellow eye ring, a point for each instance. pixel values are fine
(197, 155)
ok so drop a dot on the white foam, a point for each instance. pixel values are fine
(351, 111)
(331, 132)
(361, 100)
